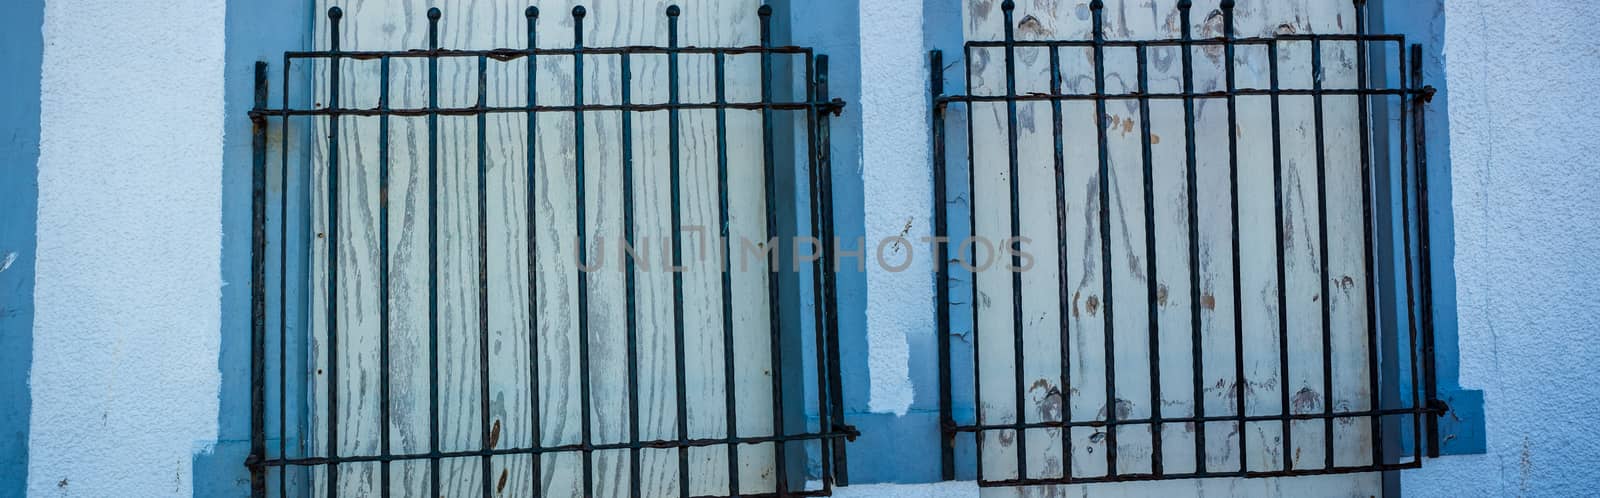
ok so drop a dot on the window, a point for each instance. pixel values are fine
(1171, 248)
(442, 300)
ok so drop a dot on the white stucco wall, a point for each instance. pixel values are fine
(124, 375)
(1524, 143)
(899, 195)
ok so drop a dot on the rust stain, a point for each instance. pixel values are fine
(1092, 305)
(1208, 301)
(501, 487)
(1007, 437)
(1030, 28)
(1075, 296)
(1155, 139)
(494, 435)
(1161, 295)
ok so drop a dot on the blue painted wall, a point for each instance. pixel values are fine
(1424, 23)
(21, 53)
(832, 27)
(256, 31)
(898, 449)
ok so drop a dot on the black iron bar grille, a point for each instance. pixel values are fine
(425, 328)
(1212, 223)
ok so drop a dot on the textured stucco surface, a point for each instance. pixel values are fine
(124, 377)
(899, 200)
(1524, 146)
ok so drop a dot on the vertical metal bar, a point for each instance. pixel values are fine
(973, 299)
(283, 286)
(824, 419)
(1367, 232)
(1151, 284)
(1322, 248)
(1407, 106)
(258, 290)
(632, 299)
(1430, 381)
(1020, 385)
(1281, 232)
(730, 400)
(384, 408)
(941, 285)
(434, 458)
(1239, 380)
(775, 321)
(1192, 187)
(537, 434)
(674, 154)
(1065, 311)
(1097, 8)
(334, 14)
(824, 141)
(485, 443)
(586, 428)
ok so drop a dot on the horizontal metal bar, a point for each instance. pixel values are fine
(504, 54)
(833, 107)
(1047, 481)
(1197, 42)
(848, 433)
(1220, 94)
(1054, 424)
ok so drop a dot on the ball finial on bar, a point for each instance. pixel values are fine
(579, 11)
(335, 13)
(1361, 3)
(764, 11)
(433, 13)
(531, 11)
(1008, 5)
(1227, 5)
(1097, 5)
(1185, 4)
(673, 10)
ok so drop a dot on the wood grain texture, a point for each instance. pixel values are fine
(1131, 269)
(483, 24)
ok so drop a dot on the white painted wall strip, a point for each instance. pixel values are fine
(125, 341)
(895, 174)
